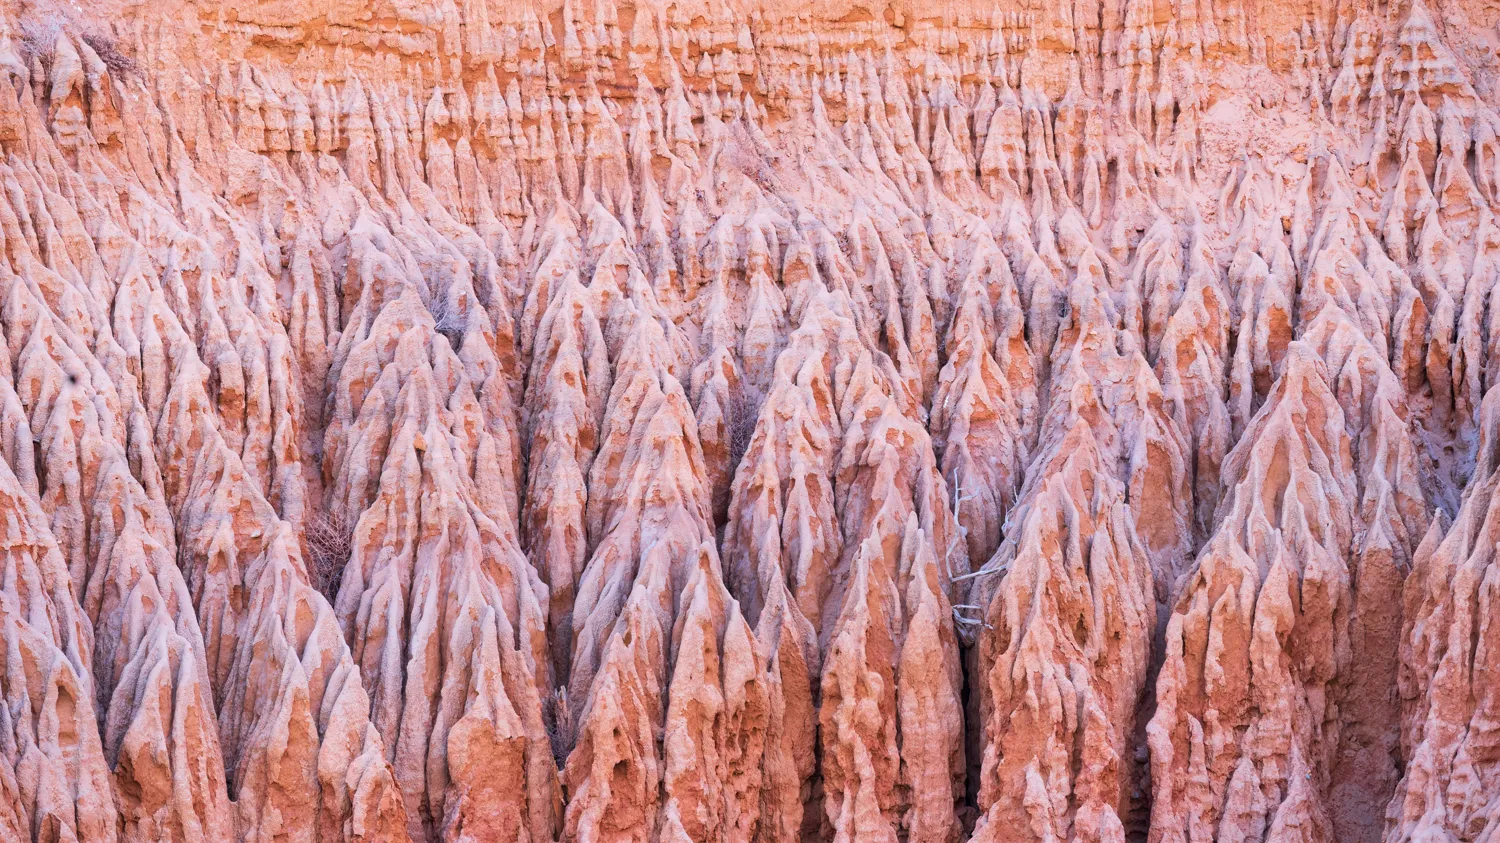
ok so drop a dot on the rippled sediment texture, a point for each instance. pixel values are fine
(773, 422)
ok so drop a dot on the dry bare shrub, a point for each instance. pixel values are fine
(37, 34)
(330, 542)
(108, 51)
(559, 725)
(447, 322)
(742, 418)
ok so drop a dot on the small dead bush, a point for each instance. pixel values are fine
(742, 418)
(37, 35)
(559, 725)
(330, 542)
(108, 50)
(448, 322)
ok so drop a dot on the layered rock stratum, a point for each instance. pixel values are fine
(821, 420)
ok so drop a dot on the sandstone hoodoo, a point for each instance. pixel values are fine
(831, 420)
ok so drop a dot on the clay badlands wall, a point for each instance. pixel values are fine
(810, 421)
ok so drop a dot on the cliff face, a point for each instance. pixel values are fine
(723, 422)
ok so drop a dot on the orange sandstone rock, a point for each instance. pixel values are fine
(698, 421)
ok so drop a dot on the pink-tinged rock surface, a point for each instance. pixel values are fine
(703, 421)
